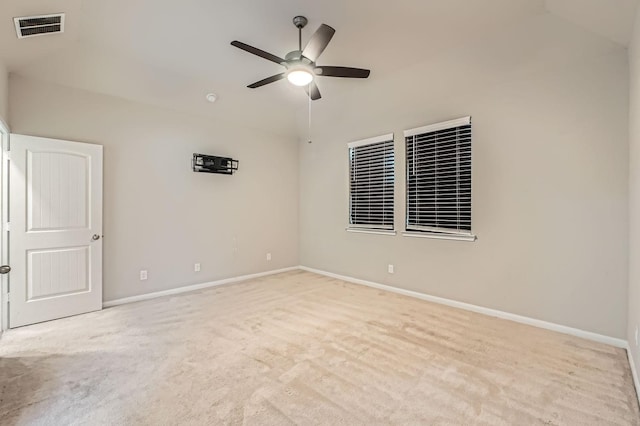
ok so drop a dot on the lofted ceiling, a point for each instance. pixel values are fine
(170, 53)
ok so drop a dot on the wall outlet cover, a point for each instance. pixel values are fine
(143, 275)
(196, 267)
(390, 269)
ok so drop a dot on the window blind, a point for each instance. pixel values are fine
(371, 183)
(439, 177)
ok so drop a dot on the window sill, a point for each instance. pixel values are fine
(468, 238)
(372, 231)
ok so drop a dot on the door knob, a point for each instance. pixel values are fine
(5, 269)
(95, 237)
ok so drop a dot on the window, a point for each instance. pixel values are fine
(439, 178)
(371, 182)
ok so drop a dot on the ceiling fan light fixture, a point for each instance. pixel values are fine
(300, 77)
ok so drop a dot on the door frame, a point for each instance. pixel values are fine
(4, 218)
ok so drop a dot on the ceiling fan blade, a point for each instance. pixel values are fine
(342, 72)
(318, 42)
(266, 55)
(267, 80)
(313, 91)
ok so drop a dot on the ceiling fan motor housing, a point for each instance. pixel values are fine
(295, 57)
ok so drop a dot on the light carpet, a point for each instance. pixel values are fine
(300, 348)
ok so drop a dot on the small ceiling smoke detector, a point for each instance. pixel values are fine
(212, 97)
(31, 26)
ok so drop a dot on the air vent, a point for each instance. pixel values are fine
(31, 26)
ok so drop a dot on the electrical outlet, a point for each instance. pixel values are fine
(269, 257)
(390, 269)
(143, 275)
(196, 267)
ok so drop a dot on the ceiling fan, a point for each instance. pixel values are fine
(301, 68)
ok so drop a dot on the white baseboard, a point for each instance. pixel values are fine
(634, 372)
(189, 288)
(613, 341)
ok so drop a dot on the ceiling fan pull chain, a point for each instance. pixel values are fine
(309, 97)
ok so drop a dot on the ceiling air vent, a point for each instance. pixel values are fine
(30, 26)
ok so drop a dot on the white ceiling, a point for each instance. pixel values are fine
(171, 53)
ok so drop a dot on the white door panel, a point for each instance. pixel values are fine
(57, 194)
(56, 225)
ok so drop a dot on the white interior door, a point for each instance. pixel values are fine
(55, 244)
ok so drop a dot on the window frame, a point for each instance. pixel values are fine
(437, 232)
(371, 228)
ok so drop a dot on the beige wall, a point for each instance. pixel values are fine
(634, 192)
(550, 176)
(158, 214)
(4, 94)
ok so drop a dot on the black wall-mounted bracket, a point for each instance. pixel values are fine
(212, 164)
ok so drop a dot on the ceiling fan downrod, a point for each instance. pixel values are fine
(300, 22)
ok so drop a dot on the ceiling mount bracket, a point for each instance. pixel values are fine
(300, 22)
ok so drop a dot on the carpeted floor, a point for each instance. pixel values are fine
(299, 348)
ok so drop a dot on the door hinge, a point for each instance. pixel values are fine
(7, 226)
(7, 155)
